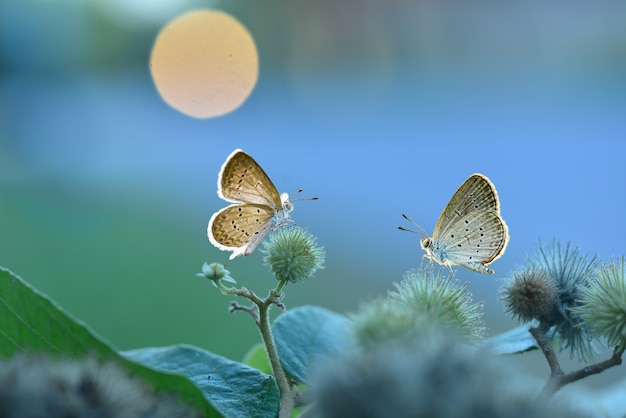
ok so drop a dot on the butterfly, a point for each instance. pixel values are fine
(470, 231)
(257, 207)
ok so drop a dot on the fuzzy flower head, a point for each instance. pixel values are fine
(531, 294)
(422, 303)
(382, 320)
(602, 305)
(292, 254)
(570, 272)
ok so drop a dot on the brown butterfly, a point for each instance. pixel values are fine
(257, 206)
(470, 231)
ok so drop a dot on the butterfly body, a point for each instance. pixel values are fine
(470, 231)
(257, 206)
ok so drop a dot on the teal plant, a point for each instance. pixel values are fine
(571, 300)
(293, 255)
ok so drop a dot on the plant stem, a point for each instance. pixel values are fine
(280, 286)
(287, 395)
(557, 382)
(539, 333)
(558, 378)
(262, 320)
(225, 290)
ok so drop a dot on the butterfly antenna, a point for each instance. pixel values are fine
(302, 198)
(420, 231)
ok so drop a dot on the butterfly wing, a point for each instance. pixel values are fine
(477, 193)
(477, 239)
(470, 231)
(240, 227)
(241, 179)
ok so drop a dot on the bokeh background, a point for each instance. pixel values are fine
(377, 108)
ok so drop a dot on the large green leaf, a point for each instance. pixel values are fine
(234, 389)
(31, 322)
(307, 335)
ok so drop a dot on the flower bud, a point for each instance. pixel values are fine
(216, 272)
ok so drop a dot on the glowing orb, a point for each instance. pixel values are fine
(204, 64)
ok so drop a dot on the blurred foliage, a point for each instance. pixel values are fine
(325, 38)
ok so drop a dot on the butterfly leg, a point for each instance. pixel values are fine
(449, 266)
(430, 261)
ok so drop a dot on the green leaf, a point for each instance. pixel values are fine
(31, 322)
(307, 335)
(234, 389)
(514, 341)
(257, 357)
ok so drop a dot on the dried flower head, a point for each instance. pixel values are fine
(531, 294)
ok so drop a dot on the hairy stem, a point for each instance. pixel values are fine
(539, 333)
(558, 378)
(252, 310)
(260, 314)
(557, 382)
(280, 286)
(287, 396)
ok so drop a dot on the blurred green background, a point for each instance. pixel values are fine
(377, 108)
